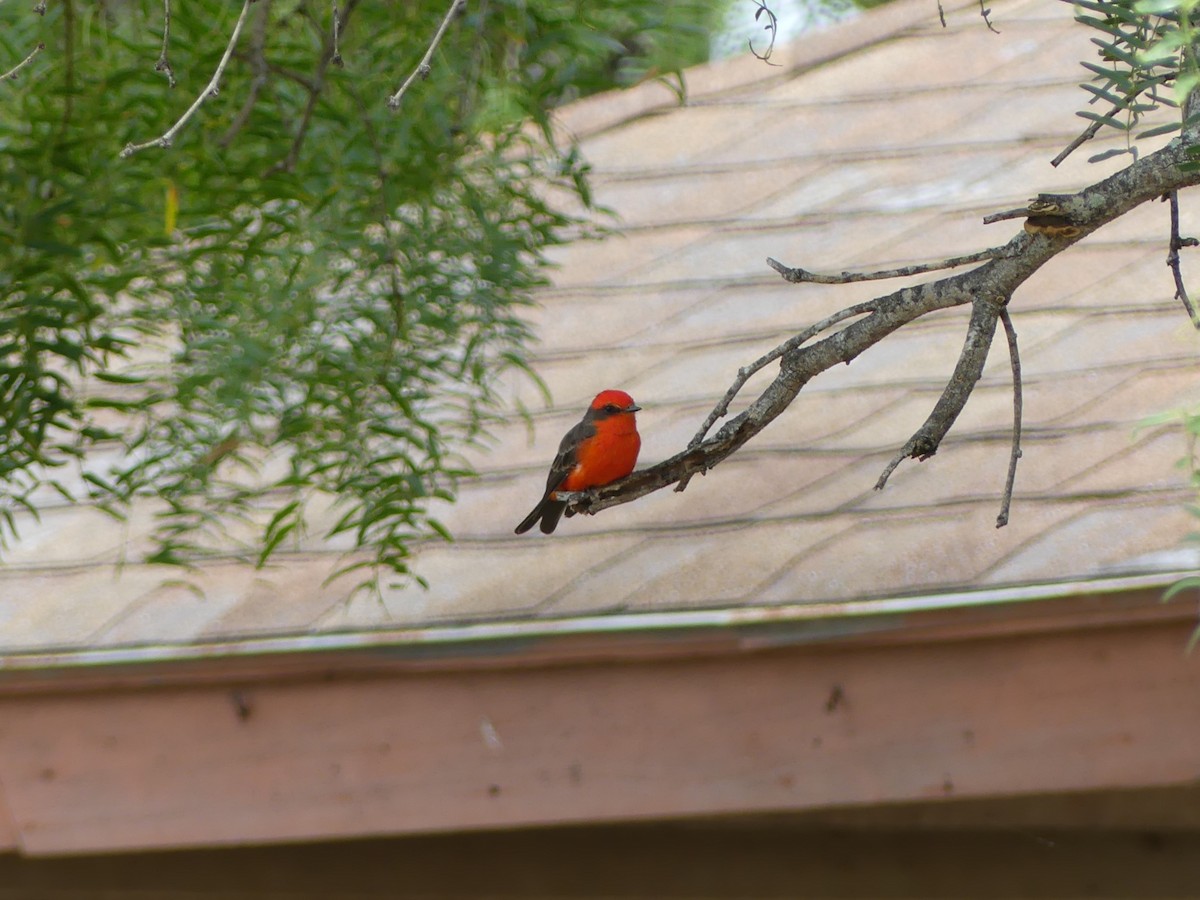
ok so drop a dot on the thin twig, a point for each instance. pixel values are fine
(1176, 244)
(772, 28)
(210, 90)
(986, 13)
(11, 74)
(1015, 359)
(1092, 130)
(925, 442)
(801, 276)
(1086, 135)
(1018, 213)
(336, 59)
(423, 68)
(745, 373)
(163, 64)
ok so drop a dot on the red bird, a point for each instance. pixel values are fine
(601, 448)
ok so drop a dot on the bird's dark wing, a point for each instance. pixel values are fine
(549, 511)
(567, 456)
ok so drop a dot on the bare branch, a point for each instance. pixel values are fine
(11, 74)
(1015, 359)
(986, 286)
(1086, 135)
(210, 90)
(1018, 213)
(163, 64)
(1093, 129)
(986, 14)
(1177, 243)
(747, 372)
(929, 436)
(336, 59)
(802, 276)
(423, 68)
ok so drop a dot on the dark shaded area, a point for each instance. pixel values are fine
(756, 858)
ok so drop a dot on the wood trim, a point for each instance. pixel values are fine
(789, 728)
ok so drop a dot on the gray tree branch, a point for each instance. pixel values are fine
(1014, 359)
(164, 64)
(11, 74)
(423, 67)
(986, 287)
(980, 331)
(210, 90)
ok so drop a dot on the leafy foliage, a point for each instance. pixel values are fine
(1147, 62)
(309, 299)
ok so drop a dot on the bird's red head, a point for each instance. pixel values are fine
(614, 402)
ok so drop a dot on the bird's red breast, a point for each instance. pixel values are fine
(610, 451)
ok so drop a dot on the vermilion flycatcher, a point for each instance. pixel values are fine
(601, 448)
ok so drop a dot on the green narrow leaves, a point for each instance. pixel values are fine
(1142, 48)
(308, 302)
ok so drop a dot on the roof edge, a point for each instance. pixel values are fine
(1036, 608)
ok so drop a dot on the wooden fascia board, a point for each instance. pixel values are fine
(757, 726)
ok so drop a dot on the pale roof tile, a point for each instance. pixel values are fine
(68, 607)
(666, 141)
(689, 196)
(588, 323)
(1085, 544)
(903, 554)
(1106, 340)
(598, 262)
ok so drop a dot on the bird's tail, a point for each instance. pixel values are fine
(549, 511)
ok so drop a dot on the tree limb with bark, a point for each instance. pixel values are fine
(1052, 224)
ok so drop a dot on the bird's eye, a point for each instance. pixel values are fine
(611, 408)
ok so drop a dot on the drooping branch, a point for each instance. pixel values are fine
(11, 74)
(925, 442)
(423, 67)
(771, 27)
(1015, 359)
(1177, 243)
(168, 137)
(336, 24)
(164, 64)
(987, 17)
(1145, 179)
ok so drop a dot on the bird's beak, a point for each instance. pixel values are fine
(632, 407)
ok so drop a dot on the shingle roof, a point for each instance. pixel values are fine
(880, 141)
